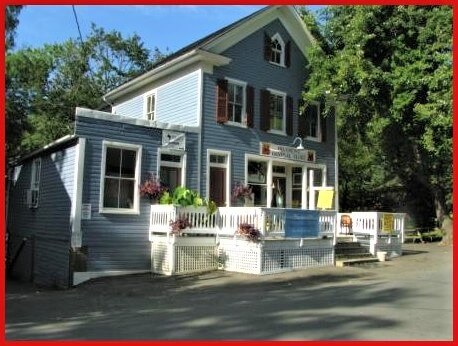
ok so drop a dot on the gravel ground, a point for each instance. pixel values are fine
(407, 298)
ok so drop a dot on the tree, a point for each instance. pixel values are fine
(49, 82)
(392, 64)
(11, 23)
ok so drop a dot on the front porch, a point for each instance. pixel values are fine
(290, 238)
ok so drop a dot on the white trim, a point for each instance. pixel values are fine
(182, 164)
(77, 196)
(287, 15)
(226, 165)
(180, 62)
(200, 83)
(244, 101)
(90, 113)
(283, 95)
(120, 145)
(278, 37)
(146, 96)
(336, 162)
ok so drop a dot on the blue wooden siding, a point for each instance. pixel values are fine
(47, 227)
(178, 101)
(248, 65)
(132, 108)
(120, 242)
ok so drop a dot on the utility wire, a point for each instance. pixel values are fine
(77, 23)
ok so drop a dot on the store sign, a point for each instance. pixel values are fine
(388, 223)
(174, 140)
(289, 153)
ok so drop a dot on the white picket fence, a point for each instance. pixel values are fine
(269, 221)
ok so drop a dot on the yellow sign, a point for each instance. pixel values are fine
(388, 223)
(325, 199)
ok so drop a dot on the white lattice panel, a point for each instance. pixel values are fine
(392, 246)
(160, 258)
(239, 256)
(287, 259)
(189, 259)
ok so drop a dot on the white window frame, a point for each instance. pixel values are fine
(278, 37)
(318, 123)
(243, 84)
(145, 105)
(35, 180)
(120, 145)
(283, 95)
(181, 164)
(226, 165)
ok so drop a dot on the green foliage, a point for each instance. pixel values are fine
(46, 84)
(389, 68)
(11, 23)
(184, 197)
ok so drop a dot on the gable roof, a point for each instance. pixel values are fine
(211, 46)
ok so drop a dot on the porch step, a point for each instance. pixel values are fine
(355, 261)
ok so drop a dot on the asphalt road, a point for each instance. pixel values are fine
(408, 298)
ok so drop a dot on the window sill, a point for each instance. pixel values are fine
(313, 139)
(277, 132)
(275, 64)
(236, 124)
(119, 211)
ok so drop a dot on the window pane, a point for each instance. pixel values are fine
(128, 163)
(110, 194)
(126, 194)
(238, 114)
(230, 111)
(170, 158)
(239, 94)
(113, 162)
(170, 177)
(230, 90)
(257, 172)
(311, 121)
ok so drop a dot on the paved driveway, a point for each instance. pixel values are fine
(404, 299)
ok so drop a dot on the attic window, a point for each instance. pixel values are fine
(276, 51)
(150, 106)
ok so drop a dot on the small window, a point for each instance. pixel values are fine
(120, 172)
(312, 122)
(221, 159)
(35, 183)
(151, 107)
(277, 112)
(277, 50)
(171, 168)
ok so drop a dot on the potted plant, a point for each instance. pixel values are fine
(242, 192)
(177, 226)
(249, 232)
(152, 188)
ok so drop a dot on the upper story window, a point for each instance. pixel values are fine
(235, 102)
(277, 111)
(35, 183)
(119, 178)
(150, 106)
(276, 51)
(312, 122)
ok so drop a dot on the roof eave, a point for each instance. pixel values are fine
(191, 57)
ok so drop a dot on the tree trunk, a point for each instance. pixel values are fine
(444, 221)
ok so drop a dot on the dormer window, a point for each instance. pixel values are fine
(276, 51)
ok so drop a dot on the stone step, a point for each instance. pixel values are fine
(354, 255)
(355, 261)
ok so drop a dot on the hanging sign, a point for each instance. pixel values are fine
(86, 211)
(174, 140)
(284, 152)
(388, 223)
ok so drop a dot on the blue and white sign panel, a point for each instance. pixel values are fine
(301, 223)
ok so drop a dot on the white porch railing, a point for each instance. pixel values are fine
(378, 225)
(269, 221)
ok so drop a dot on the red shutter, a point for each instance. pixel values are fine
(289, 115)
(288, 54)
(249, 106)
(267, 47)
(221, 101)
(265, 110)
(301, 119)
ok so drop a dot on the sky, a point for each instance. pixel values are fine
(167, 27)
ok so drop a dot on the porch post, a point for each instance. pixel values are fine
(311, 191)
(269, 184)
(304, 188)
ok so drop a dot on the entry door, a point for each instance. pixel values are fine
(218, 186)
